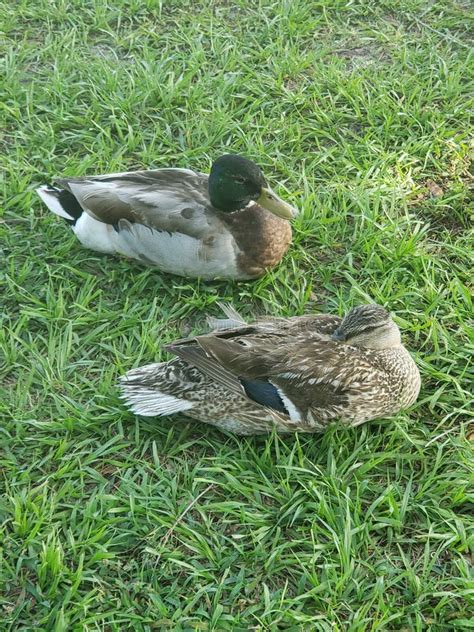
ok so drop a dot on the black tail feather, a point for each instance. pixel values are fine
(70, 205)
(68, 202)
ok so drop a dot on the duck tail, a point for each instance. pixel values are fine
(61, 202)
(152, 391)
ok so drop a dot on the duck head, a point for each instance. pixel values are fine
(368, 326)
(235, 181)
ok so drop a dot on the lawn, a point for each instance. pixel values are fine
(359, 114)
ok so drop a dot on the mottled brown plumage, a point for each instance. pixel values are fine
(296, 374)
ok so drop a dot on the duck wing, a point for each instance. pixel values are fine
(235, 325)
(296, 326)
(315, 379)
(171, 200)
(288, 365)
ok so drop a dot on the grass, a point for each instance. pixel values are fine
(360, 111)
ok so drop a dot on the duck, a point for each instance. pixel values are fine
(226, 225)
(296, 374)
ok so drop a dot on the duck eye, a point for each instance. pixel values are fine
(239, 179)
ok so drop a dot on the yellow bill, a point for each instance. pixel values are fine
(271, 202)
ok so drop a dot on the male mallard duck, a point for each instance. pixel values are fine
(229, 224)
(294, 374)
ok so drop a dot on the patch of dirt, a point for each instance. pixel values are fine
(434, 189)
(428, 189)
(362, 56)
(430, 192)
(103, 51)
(290, 84)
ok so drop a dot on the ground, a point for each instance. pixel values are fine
(359, 114)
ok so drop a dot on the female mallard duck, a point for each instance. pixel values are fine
(295, 374)
(229, 224)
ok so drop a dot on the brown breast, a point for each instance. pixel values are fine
(261, 237)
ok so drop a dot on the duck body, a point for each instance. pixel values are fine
(165, 218)
(292, 374)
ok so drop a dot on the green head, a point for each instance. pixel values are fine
(235, 181)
